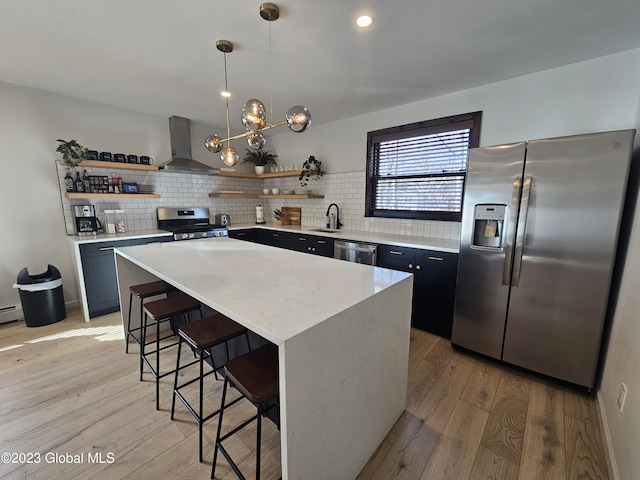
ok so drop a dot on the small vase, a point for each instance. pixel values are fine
(259, 170)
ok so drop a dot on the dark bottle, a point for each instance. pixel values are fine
(79, 183)
(69, 183)
(86, 182)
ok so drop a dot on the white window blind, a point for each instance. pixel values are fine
(419, 170)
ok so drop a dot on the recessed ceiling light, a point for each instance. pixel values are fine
(225, 93)
(364, 21)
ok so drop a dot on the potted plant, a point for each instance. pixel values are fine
(311, 168)
(260, 159)
(72, 153)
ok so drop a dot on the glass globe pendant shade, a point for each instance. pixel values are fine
(256, 140)
(298, 118)
(229, 156)
(254, 115)
(213, 143)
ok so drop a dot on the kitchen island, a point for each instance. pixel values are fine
(342, 331)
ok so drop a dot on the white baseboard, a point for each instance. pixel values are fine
(612, 466)
(18, 314)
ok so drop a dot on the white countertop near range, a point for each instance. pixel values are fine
(429, 243)
(342, 331)
(107, 237)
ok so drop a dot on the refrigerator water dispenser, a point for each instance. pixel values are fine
(488, 226)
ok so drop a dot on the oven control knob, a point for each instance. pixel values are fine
(192, 235)
(204, 234)
(184, 235)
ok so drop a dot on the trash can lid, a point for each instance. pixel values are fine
(24, 278)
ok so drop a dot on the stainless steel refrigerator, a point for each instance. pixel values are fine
(540, 227)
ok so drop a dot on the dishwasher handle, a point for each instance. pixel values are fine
(358, 247)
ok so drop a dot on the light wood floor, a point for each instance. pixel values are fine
(68, 391)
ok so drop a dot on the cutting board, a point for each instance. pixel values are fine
(292, 215)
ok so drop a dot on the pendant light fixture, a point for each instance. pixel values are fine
(254, 115)
(213, 143)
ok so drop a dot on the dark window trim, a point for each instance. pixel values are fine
(468, 120)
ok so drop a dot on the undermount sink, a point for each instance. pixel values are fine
(326, 230)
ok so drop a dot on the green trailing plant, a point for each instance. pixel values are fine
(72, 153)
(311, 169)
(260, 158)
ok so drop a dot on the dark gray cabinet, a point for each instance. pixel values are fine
(99, 272)
(247, 234)
(300, 242)
(434, 284)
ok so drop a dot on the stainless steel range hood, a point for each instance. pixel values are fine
(181, 161)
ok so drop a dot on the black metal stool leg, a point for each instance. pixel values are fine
(175, 378)
(127, 334)
(217, 445)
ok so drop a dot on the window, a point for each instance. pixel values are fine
(418, 171)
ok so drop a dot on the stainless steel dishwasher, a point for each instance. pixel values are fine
(357, 252)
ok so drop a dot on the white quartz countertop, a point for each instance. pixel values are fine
(106, 237)
(438, 244)
(275, 292)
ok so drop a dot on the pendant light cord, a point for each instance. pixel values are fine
(270, 79)
(226, 89)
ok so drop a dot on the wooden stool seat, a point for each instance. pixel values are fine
(202, 335)
(142, 292)
(151, 289)
(210, 331)
(255, 376)
(161, 311)
(171, 306)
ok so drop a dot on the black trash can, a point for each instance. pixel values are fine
(41, 297)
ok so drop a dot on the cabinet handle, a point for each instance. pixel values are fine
(321, 241)
(437, 259)
(275, 235)
(302, 239)
(313, 249)
(240, 234)
(103, 249)
(411, 265)
(418, 267)
(393, 252)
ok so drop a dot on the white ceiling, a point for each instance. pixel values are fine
(159, 56)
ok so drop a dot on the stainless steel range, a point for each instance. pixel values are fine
(189, 223)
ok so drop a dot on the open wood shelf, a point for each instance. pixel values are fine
(260, 195)
(291, 173)
(122, 166)
(111, 195)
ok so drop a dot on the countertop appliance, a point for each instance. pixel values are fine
(539, 232)
(357, 252)
(86, 221)
(189, 223)
(223, 219)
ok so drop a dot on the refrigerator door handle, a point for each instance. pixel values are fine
(513, 215)
(520, 232)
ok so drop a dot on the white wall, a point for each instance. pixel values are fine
(622, 362)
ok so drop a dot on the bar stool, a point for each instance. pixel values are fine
(255, 376)
(142, 292)
(161, 311)
(202, 335)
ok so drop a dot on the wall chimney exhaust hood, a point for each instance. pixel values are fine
(181, 161)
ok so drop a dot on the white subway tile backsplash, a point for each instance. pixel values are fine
(347, 190)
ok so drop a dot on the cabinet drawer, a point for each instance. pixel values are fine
(148, 240)
(400, 254)
(433, 260)
(102, 248)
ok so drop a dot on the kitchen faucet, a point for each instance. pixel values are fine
(338, 224)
